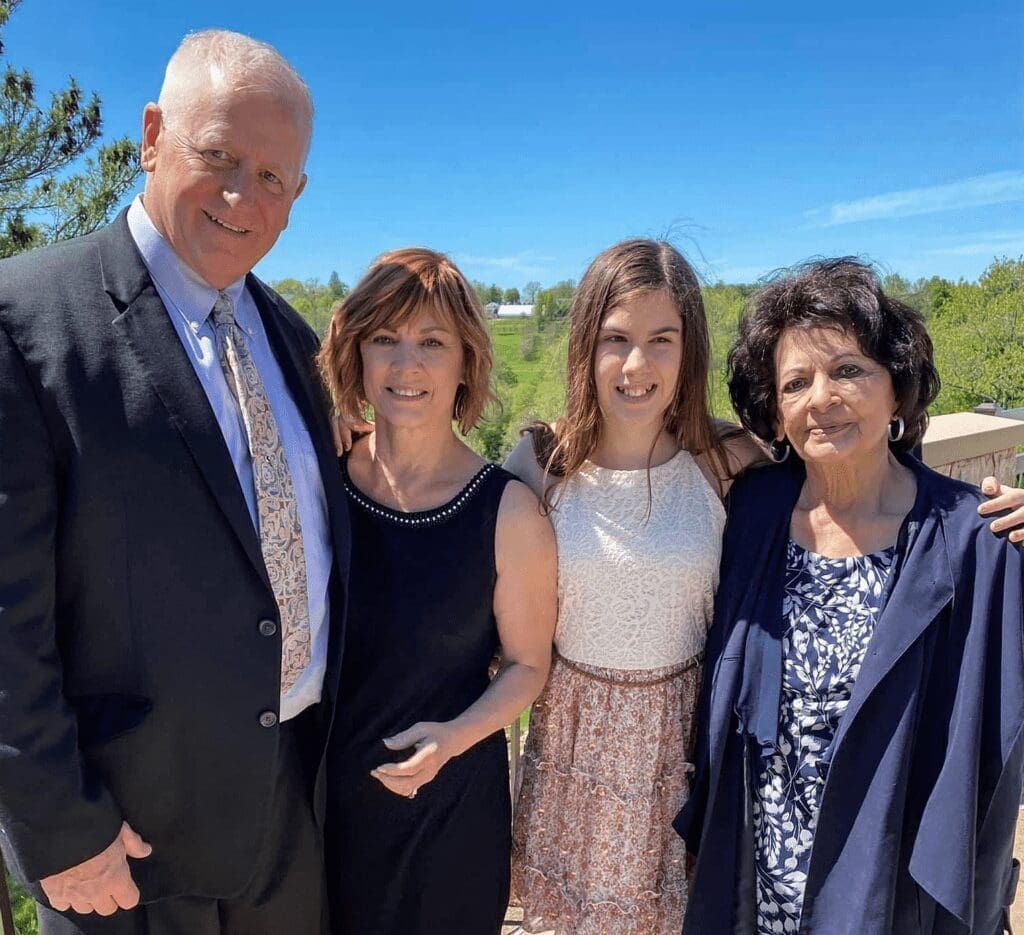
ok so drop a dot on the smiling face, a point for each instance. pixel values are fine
(412, 371)
(222, 177)
(834, 403)
(637, 360)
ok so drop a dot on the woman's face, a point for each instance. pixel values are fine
(636, 364)
(834, 403)
(412, 371)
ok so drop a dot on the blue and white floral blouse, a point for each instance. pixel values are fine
(831, 605)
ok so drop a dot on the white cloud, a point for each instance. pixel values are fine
(991, 189)
(527, 263)
(988, 243)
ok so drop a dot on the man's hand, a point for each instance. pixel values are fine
(101, 884)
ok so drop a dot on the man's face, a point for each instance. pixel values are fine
(222, 175)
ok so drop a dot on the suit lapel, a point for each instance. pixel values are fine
(145, 330)
(922, 588)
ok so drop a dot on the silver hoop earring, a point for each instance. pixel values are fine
(778, 450)
(896, 429)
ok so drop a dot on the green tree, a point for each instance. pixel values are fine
(978, 332)
(480, 288)
(338, 289)
(530, 291)
(494, 293)
(39, 201)
(511, 296)
(311, 299)
(554, 303)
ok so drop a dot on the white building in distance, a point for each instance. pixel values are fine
(494, 310)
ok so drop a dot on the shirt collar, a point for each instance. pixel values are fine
(192, 296)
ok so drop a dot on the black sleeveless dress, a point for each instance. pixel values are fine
(420, 638)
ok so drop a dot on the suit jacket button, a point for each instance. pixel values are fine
(267, 628)
(268, 719)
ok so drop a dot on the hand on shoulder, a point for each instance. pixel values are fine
(742, 452)
(522, 461)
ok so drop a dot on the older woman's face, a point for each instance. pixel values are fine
(834, 403)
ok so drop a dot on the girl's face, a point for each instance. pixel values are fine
(637, 361)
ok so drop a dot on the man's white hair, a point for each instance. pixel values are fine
(239, 61)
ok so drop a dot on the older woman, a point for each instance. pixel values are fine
(859, 763)
(451, 559)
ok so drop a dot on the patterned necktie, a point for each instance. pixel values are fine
(276, 506)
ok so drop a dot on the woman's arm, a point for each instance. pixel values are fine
(741, 451)
(525, 606)
(522, 461)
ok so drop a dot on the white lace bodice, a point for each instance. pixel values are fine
(636, 586)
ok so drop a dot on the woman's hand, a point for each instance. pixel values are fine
(345, 429)
(435, 745)
(1004, 498)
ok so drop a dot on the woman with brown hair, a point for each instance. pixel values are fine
(451, 559)
(633, 477)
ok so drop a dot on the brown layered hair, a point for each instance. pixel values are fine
(625, 270)
(397, 286)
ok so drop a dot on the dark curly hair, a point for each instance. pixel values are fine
(843, 294)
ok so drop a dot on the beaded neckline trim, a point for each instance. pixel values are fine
(424, 517)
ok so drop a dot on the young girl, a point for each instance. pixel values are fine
(633, 477)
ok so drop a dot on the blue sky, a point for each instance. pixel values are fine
(523, 137)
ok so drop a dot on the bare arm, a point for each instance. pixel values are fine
(525, 605)
(742, 452)
(522, 461)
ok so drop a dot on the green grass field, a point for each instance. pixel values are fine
(529, 380)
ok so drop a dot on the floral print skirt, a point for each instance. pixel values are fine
(604, 772)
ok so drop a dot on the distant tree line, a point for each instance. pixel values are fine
(313, 300)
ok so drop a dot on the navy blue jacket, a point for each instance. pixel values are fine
(924, 777)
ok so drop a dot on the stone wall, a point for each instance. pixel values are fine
(1003, 464)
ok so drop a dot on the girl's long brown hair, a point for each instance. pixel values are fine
(627, 269)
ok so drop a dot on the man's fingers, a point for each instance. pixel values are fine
(81, 906)
(134, 845)
(126, 893)
(61, 904)
(105, 906)
(990, 486)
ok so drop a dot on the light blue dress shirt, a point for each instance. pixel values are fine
(189, 301)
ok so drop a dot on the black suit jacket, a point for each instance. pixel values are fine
(133, 671)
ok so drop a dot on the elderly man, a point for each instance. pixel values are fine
(173, 535)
